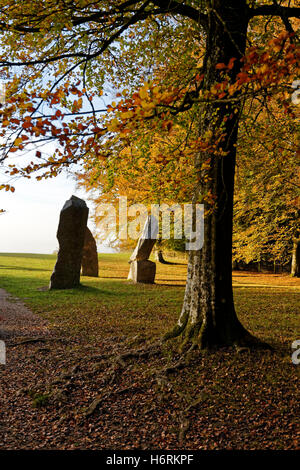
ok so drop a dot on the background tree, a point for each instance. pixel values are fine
(267, 186)
(161, 174)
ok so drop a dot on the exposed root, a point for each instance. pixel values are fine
(37, 339)
(102, 398)
(29, 340)
(181, 364)
(175, 332)
(95, 404)
(198, 336)
(248, 342)
(184, 422)
(183, 429)
(111, 367)
(152, 350)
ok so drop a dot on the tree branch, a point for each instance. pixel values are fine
(164, 6)
(140, 14)
(275, 10)
(174, 7)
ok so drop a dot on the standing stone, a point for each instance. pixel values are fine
(142, 269)
(89, 264)
(70, 234)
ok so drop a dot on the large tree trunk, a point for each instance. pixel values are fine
(208, 316)
(295, 271)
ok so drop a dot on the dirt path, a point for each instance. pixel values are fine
(27, 364)
(16, 320)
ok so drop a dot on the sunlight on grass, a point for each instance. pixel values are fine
(110, 305)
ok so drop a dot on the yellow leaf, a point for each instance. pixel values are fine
(147, 106)
(18, 141)
(143, 93)
(113, 125)
(127, 114)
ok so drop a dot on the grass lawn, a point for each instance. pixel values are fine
(221, 400)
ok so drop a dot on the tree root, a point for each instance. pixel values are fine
(111, 365)
(152, 350)
(179, 365)
(95, 404)
(184, 420)
(29, 340)
(37, 339)
(102, 398)
(197, 337)
(248, 342)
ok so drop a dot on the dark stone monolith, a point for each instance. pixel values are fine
(70, 234)
(142, 269)
(89, 263)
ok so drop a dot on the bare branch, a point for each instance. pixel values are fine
(275, 10)
(174, 7)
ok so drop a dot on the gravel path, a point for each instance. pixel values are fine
(16, 320)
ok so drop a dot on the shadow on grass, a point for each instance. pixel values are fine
(86, 290)
(169, 285)
(171, 263)
(28, 255)
(23, 268)
(262, 286)
(112, 277)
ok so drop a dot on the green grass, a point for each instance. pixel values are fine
(106, 305)
(110, 305)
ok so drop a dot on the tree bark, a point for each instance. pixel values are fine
(295, 270)
(208, 318)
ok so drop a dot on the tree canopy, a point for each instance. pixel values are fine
(59, 58)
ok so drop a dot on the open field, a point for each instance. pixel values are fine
(221, 400)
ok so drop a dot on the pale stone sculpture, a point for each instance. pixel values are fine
(70, 234)
(142, 269)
